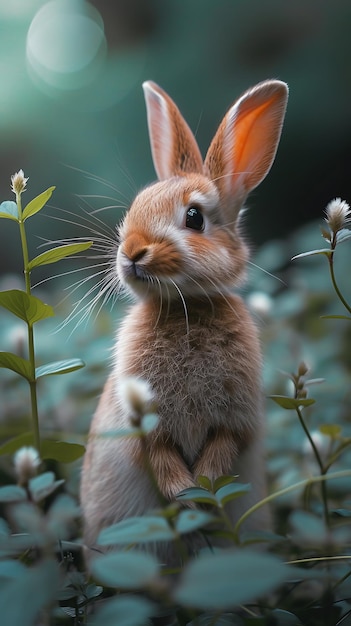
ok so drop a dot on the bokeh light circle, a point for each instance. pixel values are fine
(66, 45)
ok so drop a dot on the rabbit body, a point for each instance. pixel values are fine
(180, 253)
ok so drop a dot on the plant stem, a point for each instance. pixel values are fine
(321, 467)
(31, 351)
(282, 492)
(336, 288)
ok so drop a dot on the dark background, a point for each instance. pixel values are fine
(58, 119)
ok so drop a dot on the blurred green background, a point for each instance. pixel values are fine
(71, 97)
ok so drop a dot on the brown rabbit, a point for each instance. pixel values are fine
(180, 254)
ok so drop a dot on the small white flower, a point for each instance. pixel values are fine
(18, 182)
(260, 303)
(338, 213)
(136, 396)
(320, 441)
(26, 461)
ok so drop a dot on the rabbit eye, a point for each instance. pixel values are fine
(194, 218)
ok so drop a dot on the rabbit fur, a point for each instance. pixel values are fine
(180, 255)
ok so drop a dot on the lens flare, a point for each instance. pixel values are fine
(66, 45)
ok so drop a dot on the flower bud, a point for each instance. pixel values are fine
(26, 461)
(18, 182)
(137, 398)
(303, 369)
(338, 213)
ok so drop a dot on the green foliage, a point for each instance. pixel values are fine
(302, 577)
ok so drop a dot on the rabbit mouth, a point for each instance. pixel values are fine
(133, 272)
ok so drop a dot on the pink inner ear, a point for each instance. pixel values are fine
(243, 149)
(173, 145)
(254, 144)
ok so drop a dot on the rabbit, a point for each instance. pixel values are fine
(187, 335)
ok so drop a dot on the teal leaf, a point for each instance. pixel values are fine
(36, 589)
(285, 618)
(225, 580)
(125, 570)
(341, 235)
(43, 485)
(292, 403)
(59, 367)
(8, 210)
(125, 611)
(37, 203)
(307, 529)
(12, 493)
(27, 307)
(56, 254)
(196, 494)
(326, 251)
(136, 530)
(230, 491)
(16, 364)
(10, 570)
(149, 422)
(260, 536)
(189, 521)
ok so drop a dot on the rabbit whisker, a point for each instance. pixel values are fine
(183, 303)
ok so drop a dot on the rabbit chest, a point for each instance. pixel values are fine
(204, 370)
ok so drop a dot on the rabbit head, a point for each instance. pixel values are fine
(180, 237)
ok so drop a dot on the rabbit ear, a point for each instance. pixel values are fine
(173, 145)
(243, 149)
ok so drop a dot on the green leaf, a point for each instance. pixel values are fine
(224, 480)
(16, 364)
(196, 494)
(125, 611)
(136, 530)
(292, 403)
(189, 521)
(331, 430)
(11, 446)
(37, 203)
(125, 570)
(28, 308)
(335, 317)
(36, 589)
(43, 485)
(59, 367)
(225, 580)
(230, 491)
(61, 451)
(9, 210)
(326, 251)
(205, 483)
(56, 254)
(12, 493)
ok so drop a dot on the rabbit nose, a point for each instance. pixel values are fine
(135, 248)
(138, 255)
